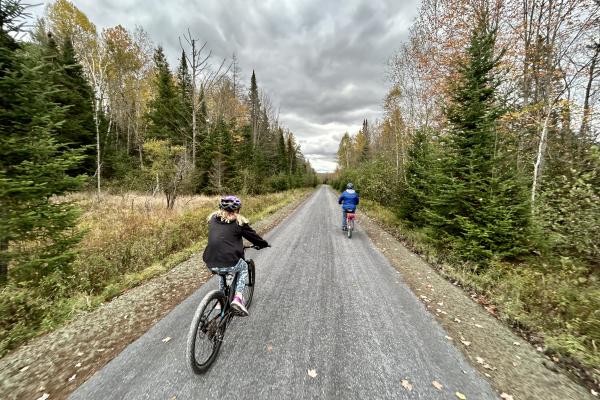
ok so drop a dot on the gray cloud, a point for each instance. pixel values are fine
(321, 62)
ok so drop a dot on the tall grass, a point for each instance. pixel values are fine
(126, 239)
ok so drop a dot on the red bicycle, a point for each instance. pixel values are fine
(350, 217)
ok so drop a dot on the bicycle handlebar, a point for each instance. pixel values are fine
(254, 247)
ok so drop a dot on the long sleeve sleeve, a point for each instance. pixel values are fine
(251, 235)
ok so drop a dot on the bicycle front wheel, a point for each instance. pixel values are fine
(249, 289)
(205, 335)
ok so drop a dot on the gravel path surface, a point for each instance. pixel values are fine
(331, 318)
(58, 362)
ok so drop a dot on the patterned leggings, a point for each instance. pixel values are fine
(241, 267)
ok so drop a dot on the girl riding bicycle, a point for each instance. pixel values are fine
(225, 249)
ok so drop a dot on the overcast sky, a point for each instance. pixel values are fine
(322, 62)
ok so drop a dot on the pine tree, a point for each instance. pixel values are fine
(73, 92)
(254, 108)
(221, 171)
(165, 109)
(478, 203)
(420, 171)
(33, 165)
(282, 162)
(365, 150)
(184, 90)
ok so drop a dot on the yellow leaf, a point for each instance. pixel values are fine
(437, 385)
(460, 396)
(406, 385)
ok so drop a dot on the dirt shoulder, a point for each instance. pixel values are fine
(511, 364)
(57, 363)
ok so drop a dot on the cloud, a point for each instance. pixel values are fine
(322, 62)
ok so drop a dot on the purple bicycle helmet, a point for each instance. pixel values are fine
(230, 203)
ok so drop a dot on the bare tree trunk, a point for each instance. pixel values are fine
(585, 121)
(537, 169)
(98, 164)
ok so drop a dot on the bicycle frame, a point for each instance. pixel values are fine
(229, 291)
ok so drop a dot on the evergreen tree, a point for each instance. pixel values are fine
(420, 171)
(478, 202)
(205, 146)
(221, 171)
(36, 233)
(254, 108)
(282, 162)
(185, 92)
(73, 92)
(165, 109)
(365, 150)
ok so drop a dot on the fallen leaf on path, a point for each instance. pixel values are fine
(71, 379)
(448, 337)
(460, 396)
(457, 320)
(437, 385)
(594, 393)
(165, 340)
(515, 364)
(466, 343)
(406, 385)
(516, 343)
(506, 396)
(312, 373)
(478, 326)
(77, 365)
(480, 360)
(43, 397)
(269, 348)
(24, 368)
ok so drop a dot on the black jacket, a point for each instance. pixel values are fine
(225, 245)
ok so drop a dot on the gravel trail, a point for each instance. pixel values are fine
(323, 303)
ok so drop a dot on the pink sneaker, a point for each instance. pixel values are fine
(238, 305)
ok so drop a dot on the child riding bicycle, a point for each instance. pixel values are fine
(349, 200)
(224, 252)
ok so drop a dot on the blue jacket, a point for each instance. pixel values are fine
(349, 200)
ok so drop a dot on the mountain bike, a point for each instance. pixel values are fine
(350, 217)
(213, 316)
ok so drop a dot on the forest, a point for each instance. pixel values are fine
(102, 113)
(487, 160)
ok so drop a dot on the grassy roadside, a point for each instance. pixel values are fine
(127, 240)
(550, 306)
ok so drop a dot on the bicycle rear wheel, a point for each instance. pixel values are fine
(350, 228)
(249, 289)
(205, 335)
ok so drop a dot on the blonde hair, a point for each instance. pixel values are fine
(229, 217)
